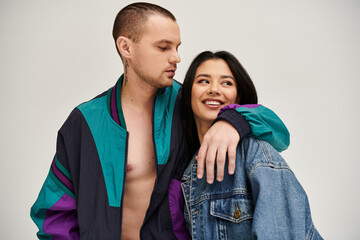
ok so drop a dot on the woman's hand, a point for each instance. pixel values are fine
(221, 139)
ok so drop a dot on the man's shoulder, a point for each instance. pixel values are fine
(76, 116)
(94, 101)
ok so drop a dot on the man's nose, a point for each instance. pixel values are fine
(175, 58)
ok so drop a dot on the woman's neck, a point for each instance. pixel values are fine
(202, 127)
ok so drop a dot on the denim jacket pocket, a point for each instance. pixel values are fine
(235, 209)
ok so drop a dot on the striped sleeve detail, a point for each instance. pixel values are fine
(61, 177)
(264, 123)
(54, 211)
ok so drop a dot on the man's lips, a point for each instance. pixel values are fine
(171, 71)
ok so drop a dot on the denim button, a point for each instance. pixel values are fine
(237, 214)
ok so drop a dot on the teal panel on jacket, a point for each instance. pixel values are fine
(163, 115)
(110, 140)
(50, 193)
(267, 126)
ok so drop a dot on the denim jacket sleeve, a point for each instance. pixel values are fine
(281, 205)
(257, 121)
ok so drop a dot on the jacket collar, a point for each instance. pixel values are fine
(114, 102)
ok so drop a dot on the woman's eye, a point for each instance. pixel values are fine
(163, 48)
(203, 81)
(228, 83)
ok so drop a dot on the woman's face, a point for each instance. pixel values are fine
(213, 88)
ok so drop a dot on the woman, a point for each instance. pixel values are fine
(262, 199)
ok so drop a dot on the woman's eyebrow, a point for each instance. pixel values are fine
(208, 75)
(202, 75)
(227, 76)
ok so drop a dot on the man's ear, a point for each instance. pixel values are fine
(123, 44)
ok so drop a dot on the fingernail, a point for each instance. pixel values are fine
(210, 181)
(199, 176)
(231, 172)
(219, 179)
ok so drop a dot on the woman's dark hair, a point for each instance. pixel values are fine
(245, 89)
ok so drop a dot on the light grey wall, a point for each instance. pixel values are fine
(304, 57)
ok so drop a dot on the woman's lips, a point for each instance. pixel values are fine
(213, 103)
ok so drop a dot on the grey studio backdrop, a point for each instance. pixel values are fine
(303, 56)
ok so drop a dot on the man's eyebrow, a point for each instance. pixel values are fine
(166, 42)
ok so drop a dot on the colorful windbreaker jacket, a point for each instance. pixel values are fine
(82, 195)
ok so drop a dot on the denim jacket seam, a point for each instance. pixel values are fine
(265, 151)
(226, 216)
(279, 166)
(267, 161)
(217, 196)
(310, 232)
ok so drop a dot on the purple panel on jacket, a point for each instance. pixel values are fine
(61, 219)
(176, 203)
(235, 106)
(113, 106)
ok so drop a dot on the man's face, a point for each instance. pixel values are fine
(156, 54)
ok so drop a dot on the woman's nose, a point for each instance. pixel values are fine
(214, 89)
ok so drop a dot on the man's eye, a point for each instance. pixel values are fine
(163, 48)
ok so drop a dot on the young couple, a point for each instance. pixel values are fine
(124, 165)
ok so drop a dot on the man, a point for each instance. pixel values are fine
(117, 153)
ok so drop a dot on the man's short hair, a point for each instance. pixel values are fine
(130, 21)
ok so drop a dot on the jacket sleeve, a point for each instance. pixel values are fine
(281, 206)
(257, 121)
(54, 211)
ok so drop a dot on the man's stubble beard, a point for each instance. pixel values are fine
(154, 82)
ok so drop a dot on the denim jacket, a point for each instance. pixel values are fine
(262, 200)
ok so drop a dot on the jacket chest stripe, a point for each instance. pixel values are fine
(163, 116)
(110, 141)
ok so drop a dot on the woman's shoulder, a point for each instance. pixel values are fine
(258, 153)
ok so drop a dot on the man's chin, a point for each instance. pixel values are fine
(167, 83)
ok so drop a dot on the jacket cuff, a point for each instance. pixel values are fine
(237, 120)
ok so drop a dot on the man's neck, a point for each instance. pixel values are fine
(136, 93)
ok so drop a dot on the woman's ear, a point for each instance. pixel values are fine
(238, 98)
(123, 45)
